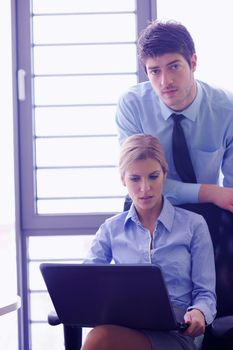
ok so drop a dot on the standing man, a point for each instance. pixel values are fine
(167, 52)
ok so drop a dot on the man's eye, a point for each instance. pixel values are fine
(174, 66)
(155, 72)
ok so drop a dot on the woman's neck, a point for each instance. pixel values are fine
(148, 217)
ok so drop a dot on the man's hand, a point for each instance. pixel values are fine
(221, 196)
(196, 321)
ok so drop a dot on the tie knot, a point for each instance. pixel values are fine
(177, 118)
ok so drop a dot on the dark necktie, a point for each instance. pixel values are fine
(180, 150)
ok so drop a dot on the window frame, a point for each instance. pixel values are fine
(28, 223)
(32, 222)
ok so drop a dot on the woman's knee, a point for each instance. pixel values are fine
(99, 337)
(111, 337)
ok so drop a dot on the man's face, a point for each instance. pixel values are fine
(172, 79)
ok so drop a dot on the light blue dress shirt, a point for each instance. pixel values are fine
(208, 127)
(181, 245)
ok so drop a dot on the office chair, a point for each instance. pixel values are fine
(219, 335)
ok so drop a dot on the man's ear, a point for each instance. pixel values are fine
(194, 62)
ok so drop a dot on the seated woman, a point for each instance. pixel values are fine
(153, 231)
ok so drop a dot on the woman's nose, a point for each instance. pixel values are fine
(145, 185)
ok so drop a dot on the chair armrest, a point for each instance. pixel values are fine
(222, 327)
(53, 319)
(72, 333)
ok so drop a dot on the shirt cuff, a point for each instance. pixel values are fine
(209, 317)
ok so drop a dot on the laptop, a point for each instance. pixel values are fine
(133, 296)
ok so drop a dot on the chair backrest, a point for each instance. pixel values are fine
(220, 223)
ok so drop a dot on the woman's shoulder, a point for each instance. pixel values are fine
(192, 225)
(117, 219)
(194, 220)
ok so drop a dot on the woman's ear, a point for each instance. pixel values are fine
(123, 180)
(164, 177)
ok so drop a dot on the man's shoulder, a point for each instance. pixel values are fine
(140, 91)
(216, 93)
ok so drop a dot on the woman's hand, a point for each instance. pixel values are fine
(196, 321)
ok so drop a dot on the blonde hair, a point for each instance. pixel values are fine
(139, 147)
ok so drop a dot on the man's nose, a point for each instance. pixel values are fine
(166, 79)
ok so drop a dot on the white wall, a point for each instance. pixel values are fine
(210, 24)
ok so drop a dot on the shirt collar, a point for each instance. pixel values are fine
(166, 216)
(191, 112)
(132, 215)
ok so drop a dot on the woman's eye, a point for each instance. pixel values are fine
(134, 178)
(154, 177)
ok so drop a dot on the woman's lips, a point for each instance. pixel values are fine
(145, 198)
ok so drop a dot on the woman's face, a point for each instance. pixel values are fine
(144, 180)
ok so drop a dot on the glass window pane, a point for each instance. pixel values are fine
(35, 277)
(84, 28)
(88, 120)
(71, 183)
(41, 305)
(85, 59)
(84, 151)
(81, 90)
(66, 6)
(80, 72)
(46, 337)
(81, 206)
(58, 247)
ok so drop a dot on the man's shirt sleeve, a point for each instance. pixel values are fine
(179, 192)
